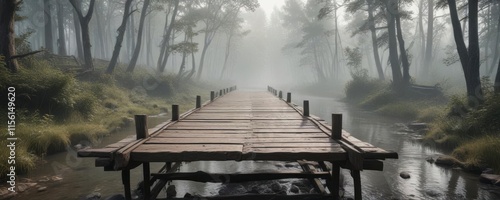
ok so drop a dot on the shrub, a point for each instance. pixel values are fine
(480, 152)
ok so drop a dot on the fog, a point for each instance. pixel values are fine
(271, 42)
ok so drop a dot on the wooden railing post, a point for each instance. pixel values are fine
(337, 126)
(306, 108)
(212, 95)
(280, 95)
(141, 126)
(289, 97)
(220, 93)
(198, 101)
(175, 112)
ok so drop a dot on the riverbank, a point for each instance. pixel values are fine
(470, 133)
(57, 106)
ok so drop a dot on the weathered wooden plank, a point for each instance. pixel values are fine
(290, 140)
(221, 140)
(205, 177)
(99, 152)
(211, 135)
(313, 155)
(288, 130)
(289, 135)
(186, 152)
(180, 132)
(291, 145)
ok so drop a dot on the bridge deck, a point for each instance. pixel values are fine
(242, 126)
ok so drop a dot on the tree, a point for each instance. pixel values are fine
(430, 36)
(119, 38)
(84, 25)
(7, 45)
(137, 49)
(497, 80)
(397, 77)
(61, 41)
(215, 14)
(232, 29)
(78, 31)
(356, 5)
(47, 7)
(469, 57)
(402, 49)
(162, 59)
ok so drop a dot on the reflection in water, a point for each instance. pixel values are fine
(427, 181)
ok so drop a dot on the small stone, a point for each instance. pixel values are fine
(116, 197)
(187, 195)
(93, 196)
(56, 178)
(44, 179)
(447, 161)
(41, 188)
(78, 146)
(171, 192)
(294, 189)
(404, 175)
(22, 187)
(276, 187)
(490, 179)
(429, 159)
(433, 193)
(488, 171)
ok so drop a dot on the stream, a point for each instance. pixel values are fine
(428, 181)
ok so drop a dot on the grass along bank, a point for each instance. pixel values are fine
(472, 134)
(57, 107)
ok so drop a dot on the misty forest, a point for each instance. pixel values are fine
(418, 77)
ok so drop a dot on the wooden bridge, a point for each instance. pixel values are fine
(237, 126)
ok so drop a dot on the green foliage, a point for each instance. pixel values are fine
(40, 87)
(58, 110)
(405, 109)
(481, 152)
(354, 58)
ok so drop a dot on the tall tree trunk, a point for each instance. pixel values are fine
(162, 63)
(61, 42)
(226, 55)
(78, 31)
(119, 38)
(373, 31)
(7, 45)
(84, 23)
(397, 77)
(497, 80)
(497, 42)
(137, 49)
(472, 83)
(100, 31)
(430, 36)
(202, 59)
(193, 63)
(149, 46)
(474, 56)
(49, 42)
(402, 49)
